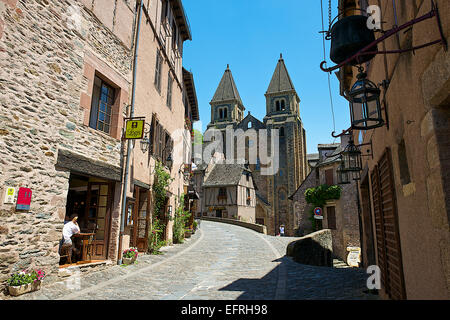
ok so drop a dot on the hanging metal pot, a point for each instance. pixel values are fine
(348, 36)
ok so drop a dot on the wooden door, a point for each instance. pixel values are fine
(141, 219)
(386, 229)
(98, 213)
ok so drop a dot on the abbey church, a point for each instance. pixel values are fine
(271, 205)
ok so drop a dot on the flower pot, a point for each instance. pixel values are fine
(129, 260)
(25, 288)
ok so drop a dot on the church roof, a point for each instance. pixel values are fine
(227, 90)
(281, 81)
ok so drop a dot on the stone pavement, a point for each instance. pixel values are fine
(220, 261)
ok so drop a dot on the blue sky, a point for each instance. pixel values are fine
(250, 35)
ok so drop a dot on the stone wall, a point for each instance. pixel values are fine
(301, 207)
(42, 82)
(256, 227)
(314, 249)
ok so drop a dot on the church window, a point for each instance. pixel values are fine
(283, 105)
(249, 125)
(277, 104)
(282, 132)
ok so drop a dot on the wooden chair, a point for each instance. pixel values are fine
(90, 247)
(66, 252)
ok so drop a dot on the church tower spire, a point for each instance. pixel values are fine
(281, 96)
(226, 104)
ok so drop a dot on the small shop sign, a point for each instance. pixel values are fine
(134, 128)
(10, 195)
(24, 199)
(318, 213)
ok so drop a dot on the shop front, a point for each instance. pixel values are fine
(94, 196)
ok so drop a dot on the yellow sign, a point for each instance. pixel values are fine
(134, 129)
(10, 195)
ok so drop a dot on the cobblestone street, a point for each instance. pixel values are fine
(220, 261)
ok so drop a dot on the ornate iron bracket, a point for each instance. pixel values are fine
(365, 51)
(344, 132)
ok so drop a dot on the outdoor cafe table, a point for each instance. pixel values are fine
(85, 241)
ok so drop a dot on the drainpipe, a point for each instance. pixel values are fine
(127, 165)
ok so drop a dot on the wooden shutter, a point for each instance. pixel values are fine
(386, 228)
(152, 135)
(331, 218)
(329, 177)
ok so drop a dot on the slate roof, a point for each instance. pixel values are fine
(333, 157)
(225, 175)
(281, 81)
(227, 89)
(312, 156)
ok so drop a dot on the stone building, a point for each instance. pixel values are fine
(282, 113)
(405, 187)
(340, 216)
(166, 98)
(227, 191)
(66, 85)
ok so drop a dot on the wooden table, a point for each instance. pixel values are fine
(85, 241)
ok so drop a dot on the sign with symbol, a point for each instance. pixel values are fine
(134, 129)
(23, 199)
(318, 213)
(10, 195)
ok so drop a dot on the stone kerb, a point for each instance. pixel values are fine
(256, 227)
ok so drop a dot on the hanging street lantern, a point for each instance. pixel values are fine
(365, 107)
(343, 177)
(145, 143)
(348, 36)
(351, 158)
(356, 175)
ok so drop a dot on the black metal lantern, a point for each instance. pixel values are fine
(145, 143)
(351, 158)
(365, 107)
(356, 175)
(348, 36)
(343, 177)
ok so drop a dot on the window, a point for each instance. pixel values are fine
(165, 9)
(277, 105)
(223, 113)
(158, 71)
(283, 105)
(249, 125)
(248, 197)
(169, 91)
(103, 97)
(174, 34)
(282, 132)
(331, 218)
(222, 194)
(329, 177)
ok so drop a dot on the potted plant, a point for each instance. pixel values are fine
(130, 256)
(23, 282)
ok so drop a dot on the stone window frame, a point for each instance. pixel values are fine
(222, 113)
(99, 98)
(280, 104)
(93, 66)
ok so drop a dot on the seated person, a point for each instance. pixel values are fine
(69, 230)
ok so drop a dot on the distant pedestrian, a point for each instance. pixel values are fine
(282, 231)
